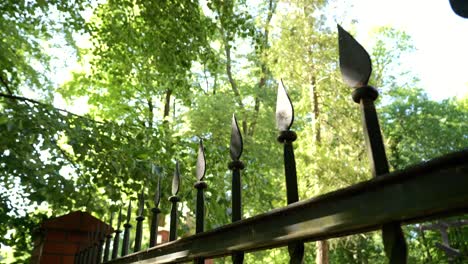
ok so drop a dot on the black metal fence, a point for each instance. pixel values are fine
(385, 202)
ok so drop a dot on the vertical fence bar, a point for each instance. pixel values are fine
(115, 247)
(200, 185)
(139, 219)
(355, 66)
(174, 199)
(91, 252)
(154, 220)
(108, 235)
(127, 226)
(236, 147)
(284, 121)
(101, 236)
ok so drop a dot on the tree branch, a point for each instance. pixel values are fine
(7, 87)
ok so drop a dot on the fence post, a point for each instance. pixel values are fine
(155, 210)
(115, 247)
(355, 66)
(284, 121)
(127, 226)
(100, 244)
(200, 185)
(236, 147)
(139, 219)
(108, 239)
(174, 199)
(92, 248)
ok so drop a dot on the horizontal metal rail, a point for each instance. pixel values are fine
(433, 189)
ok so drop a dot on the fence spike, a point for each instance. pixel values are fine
(355, 63)
(355, 68)
(155, 210)
(174, 199)
(139, 219)
(284, 109)
(108, 239)
(127, 226)
(236, 148)
(115, 248)
(200, 185)
(284, 121)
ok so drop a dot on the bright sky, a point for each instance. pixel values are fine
(439, 35)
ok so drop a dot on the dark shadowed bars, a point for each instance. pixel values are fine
(335, 214)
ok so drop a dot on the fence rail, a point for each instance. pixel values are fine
(432, 189)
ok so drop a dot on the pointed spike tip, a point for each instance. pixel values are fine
(237, 144)
(176, 180)
(355, 63)
(141, 204)
(201, 162)
(129, 211)
(119, 219)
(157, 195)
(284, 109)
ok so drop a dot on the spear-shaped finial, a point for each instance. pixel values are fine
(236, 147)
(176, 180)
(141, 202)
(201, 163)
(157, 194)
(284, 109)
(129, 211)
(355, 65)
(119, 218)
(174, 199)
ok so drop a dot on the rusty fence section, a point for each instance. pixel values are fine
(427, 191)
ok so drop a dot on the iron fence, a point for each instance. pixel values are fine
(386, 202)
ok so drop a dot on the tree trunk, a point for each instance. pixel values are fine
(150, 112)
(322, 252)
(167, 103)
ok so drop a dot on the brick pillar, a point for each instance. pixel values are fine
(61, 238)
